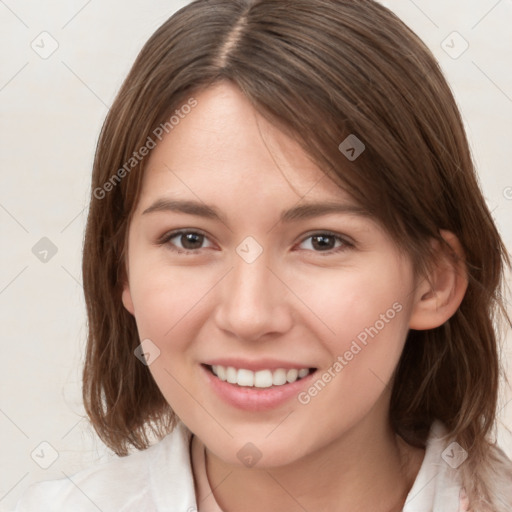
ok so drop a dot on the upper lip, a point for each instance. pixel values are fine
(256, 365)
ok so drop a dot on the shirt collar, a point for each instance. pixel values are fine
(437, 485)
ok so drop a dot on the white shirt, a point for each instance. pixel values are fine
(160, 479)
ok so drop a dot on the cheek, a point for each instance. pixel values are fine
(367, 313)
(344, 304)
(169, 311)
(166, 299)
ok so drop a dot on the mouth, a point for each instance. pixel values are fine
(261, 379)
(256, 385)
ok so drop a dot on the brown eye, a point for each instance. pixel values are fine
(322, 242)
(183, 241)
(191, 240)
(325, 242)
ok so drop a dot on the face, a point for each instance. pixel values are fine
(301, 311)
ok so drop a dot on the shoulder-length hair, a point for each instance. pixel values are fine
(320, 70)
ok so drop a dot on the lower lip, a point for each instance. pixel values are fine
(255, 399)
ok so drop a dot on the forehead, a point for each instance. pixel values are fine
(224, 147)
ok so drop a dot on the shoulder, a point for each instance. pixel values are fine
(496, 474)
(124, 484)
(444, 477)
(438, 485)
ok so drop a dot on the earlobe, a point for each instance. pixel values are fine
(438, 297)
(126, 295)
(127, 299)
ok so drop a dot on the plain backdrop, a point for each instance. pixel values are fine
(52, 109)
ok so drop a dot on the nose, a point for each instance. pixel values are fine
(253, 301)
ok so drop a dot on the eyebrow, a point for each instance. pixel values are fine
(301, 212)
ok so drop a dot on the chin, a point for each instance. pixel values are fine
(254, 449)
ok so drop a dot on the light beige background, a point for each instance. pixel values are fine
(52, 110)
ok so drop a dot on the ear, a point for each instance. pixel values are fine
(126, 295)
(127, 298)
(438, 297)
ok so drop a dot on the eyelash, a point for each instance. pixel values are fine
(173, 234)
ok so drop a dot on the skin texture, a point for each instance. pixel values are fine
(296, 302)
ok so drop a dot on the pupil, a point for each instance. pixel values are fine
(323, 242)
(189, 239)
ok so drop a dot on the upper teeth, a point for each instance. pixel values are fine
(259, 379)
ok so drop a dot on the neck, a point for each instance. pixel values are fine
(368, 468)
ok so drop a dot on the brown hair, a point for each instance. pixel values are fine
(320, 69)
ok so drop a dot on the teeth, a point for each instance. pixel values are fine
(231, 375)
(279, 377)
(303, 372)
(259, 379)
(220, 372)
(263, 379)
(292, 375)
(245, 378)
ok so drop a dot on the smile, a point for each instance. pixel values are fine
(267, 386)
(259, 379)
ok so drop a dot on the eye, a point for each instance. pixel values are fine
(185, 241)
(325, 242)
(189, 241)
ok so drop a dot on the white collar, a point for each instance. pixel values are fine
(176, 457)
(436, 488)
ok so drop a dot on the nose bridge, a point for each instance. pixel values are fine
(250, 281)
(251, 302)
